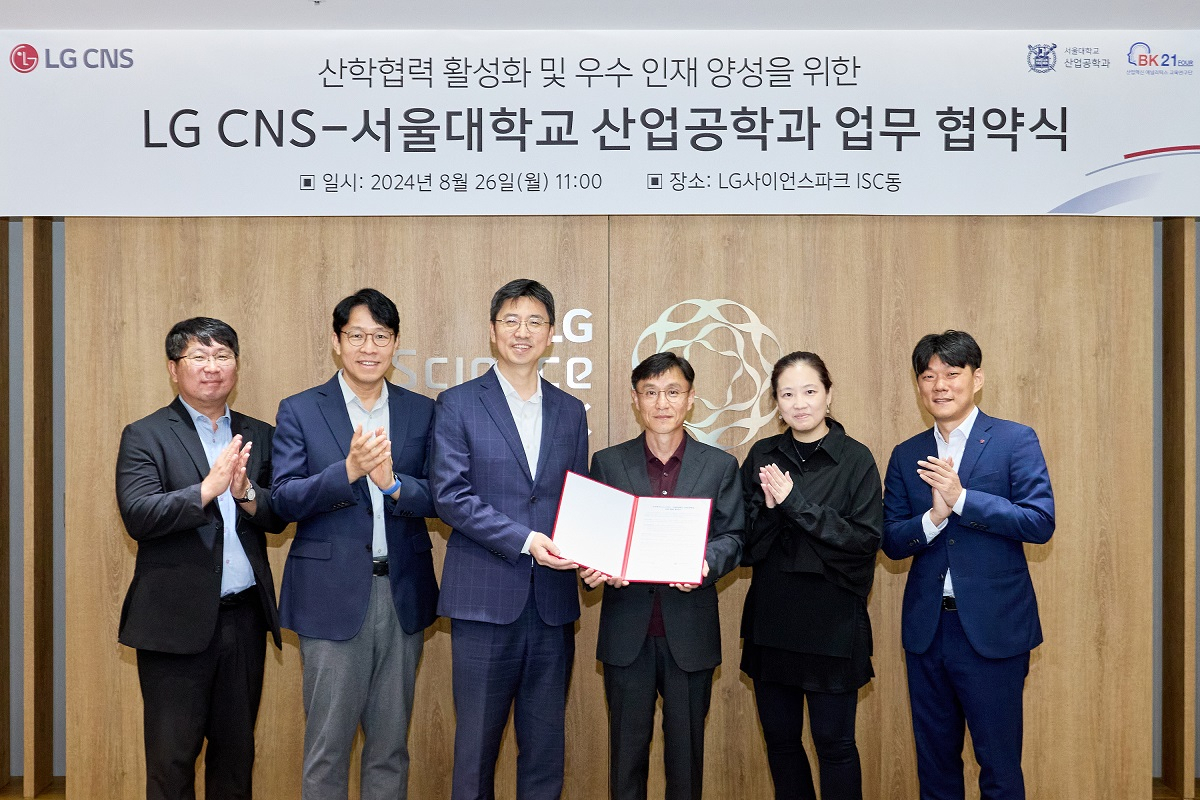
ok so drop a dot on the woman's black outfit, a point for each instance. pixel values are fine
(805, 626)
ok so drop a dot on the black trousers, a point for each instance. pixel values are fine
(831, 720)
(211, 695)
(632, 693)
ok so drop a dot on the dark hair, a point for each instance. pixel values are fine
(380, 306)
(204, 330)
(800, 357)
(523, 287)
(954, 348)
(657, 364)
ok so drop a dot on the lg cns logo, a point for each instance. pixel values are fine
(25, 58)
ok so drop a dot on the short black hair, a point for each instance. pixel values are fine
(204, 330)
(380, 306)
(657, 364)
(522, 287)
(954, 348)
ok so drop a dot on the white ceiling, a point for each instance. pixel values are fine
(611, 14)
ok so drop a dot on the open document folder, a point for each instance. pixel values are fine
(638, 539)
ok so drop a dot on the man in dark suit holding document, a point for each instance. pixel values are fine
(664, 639)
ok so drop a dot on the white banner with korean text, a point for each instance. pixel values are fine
(329, 123)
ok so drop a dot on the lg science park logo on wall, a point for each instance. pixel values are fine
(738, 344)
(25, 58)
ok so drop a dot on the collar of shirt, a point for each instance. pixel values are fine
(351, 398)
(511, 392)
(663, 477)
(675, 458)
(202, 422)
(833, 444)
(962, 431)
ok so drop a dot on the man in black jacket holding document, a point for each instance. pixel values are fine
(655, 638)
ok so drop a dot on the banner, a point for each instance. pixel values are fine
(328, 123)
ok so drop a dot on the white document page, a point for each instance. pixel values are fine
(669, 535)
(592, 528)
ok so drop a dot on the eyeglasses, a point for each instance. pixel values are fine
(511, 324)
(201, 360)
(358, 338)
(672, 395)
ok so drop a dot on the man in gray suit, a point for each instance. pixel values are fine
(658, 639)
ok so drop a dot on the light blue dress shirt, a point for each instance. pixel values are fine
(236, 572)
(378, 417)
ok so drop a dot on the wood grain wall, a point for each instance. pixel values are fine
(1062, 308)
(7, 498)
(1179, 508)
(37, 395)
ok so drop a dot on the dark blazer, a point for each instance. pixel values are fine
(327, 579)
(1009, 502)
(483, 490)
(172, 603)
(690, 619)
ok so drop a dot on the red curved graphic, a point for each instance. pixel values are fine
(1157, 150)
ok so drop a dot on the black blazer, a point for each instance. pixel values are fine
(175, 594)
(690, 618)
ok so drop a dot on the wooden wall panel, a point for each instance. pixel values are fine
(1061, 307)
(276, 281)
(6, 498)
(37, 391)
(1179, 507)
(785, 270)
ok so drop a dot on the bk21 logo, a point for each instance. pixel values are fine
(1140, 55)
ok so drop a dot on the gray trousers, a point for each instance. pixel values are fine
(369, 681)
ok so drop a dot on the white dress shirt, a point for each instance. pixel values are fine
(528, 416)
(954, 448)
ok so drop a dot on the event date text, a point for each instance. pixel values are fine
(452, 182)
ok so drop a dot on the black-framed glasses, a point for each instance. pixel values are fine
(358, 338)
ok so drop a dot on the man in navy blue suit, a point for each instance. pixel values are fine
(502, 444)
(358, 587)
(962, 499)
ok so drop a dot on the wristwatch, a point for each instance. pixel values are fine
(249, 498)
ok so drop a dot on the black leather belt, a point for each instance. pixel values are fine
(948, 603)
(379, 567)
(237, 598)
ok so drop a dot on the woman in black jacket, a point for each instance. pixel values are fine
(814, 518)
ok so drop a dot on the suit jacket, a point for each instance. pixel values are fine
(327, 579)
(690, 619)
(173, 600)
(483, 490)
(1009, 502)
